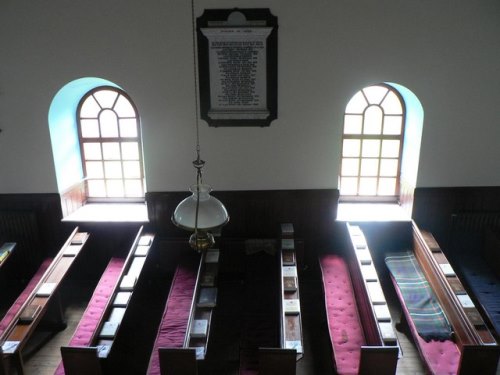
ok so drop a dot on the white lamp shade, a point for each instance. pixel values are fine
(211, 212)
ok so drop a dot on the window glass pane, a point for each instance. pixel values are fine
(390, 148)
(131, 169)
(115, 188)
(96, 188)
(375, 94)
(351, 147)
(92, 151)
(392, 105)
(128, 128)
(133, 188)
(106, 98)
(389, 167)
(392, 125)
(349, 185)
(109, 124)
(130, 150)
(373, 120)
(123, 108)
(387, 186)
(369, 167)
(368, 186)
(111, 150)
(357, 104)
(90, 108)
(113, 169)
(350, 167)
(90, 128)
(371, 148)
(352, 124)
(94, 169)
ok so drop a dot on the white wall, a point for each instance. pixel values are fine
(446, 52)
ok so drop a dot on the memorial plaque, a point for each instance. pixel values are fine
(238, 67)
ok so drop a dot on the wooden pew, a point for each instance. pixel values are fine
(277, 361)
(85, 355)
(177, 349)
(479, 352)
(23, 320)
(376, 346)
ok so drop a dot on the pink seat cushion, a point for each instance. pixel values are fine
(96, 306)
(172, 331)
(16, 306)
(440, 357)
(346, 333)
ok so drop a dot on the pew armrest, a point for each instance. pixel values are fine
(277, 361)
(80, 360)
(178, 361)
(378, 360)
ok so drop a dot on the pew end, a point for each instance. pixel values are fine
(277, 361)
(479, 359)
(80, 360)
(378, 360)
(178, 361)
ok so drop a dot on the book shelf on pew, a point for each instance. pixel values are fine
(366, 267)
(291, 322)
(29, 315)
(204, 302)
(108, 328)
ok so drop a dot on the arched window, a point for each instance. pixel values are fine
(372, 145)
(110, 145)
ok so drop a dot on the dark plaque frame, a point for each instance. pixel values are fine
(249, 108)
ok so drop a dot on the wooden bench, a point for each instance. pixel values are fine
(171, 352)
(36, 301)
(93, 339)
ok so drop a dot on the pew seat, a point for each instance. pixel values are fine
(96, 307)
(344, 326)
(176, 315)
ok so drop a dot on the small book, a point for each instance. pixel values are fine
(46, 289)
(128, 282)
(287, 244)
(103, 350)
(207, 297)
(287, 230)
(291, 306)
(200, 352)
(122, 298)
(360, 245)
(288, 257)
(369, 273)
(79, 238)
(364, 256)
(387, 332)
(289, 284)
(212, 256)
(382, 313)
(29, 313)
(7, 247)
(109, 329)
(355, 230)
(144, 241)
(199, 328)
(207, 278)
(447, 269)
(136, 267)
(117, 314)
(71, 250)
(10, 346)
(474, 316)
(465, 300)
(456, 285)
(294, 344)
(376, 293)
(289, 271)
(141, 251)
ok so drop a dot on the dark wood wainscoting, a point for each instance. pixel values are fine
(433, 207)
(258, 214)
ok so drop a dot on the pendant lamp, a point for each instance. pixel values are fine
(200, 213)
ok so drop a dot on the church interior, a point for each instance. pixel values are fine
(233, 187)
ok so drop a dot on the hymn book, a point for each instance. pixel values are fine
(199, 328)
(207, 297)
(291, 306)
